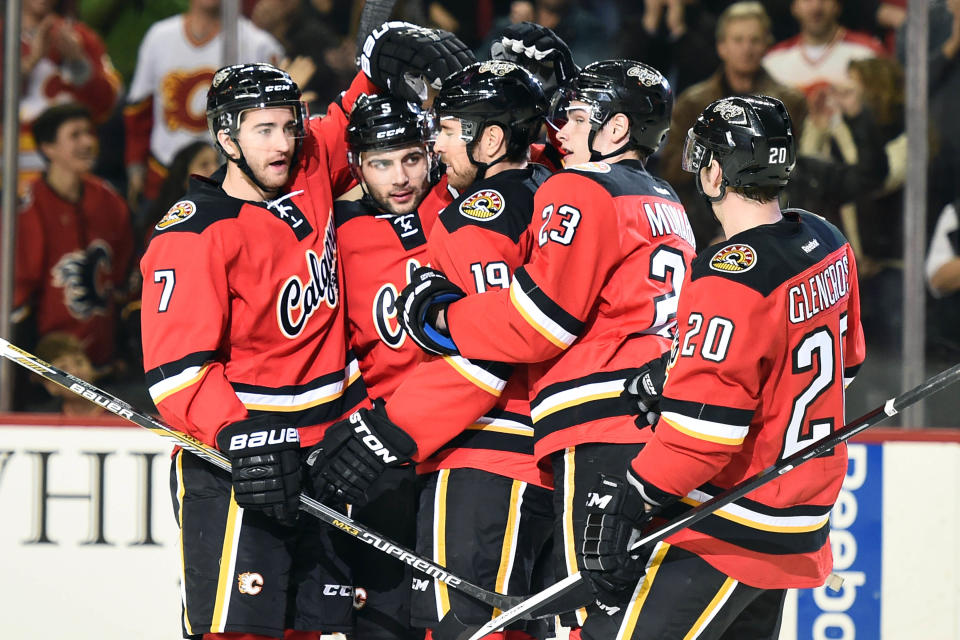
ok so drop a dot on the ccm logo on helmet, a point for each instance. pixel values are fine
(275, 87)
(390, 132)
(260, 438)
(371, 441)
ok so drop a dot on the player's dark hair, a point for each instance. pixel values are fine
(48, 123)
(762, 195)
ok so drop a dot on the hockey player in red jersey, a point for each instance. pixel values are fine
(598, 294)
(245, 347)
(382, 239)
(489, 113)
(769, 336)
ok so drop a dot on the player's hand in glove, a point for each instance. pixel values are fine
(615, 515)
(421, 303)
(405, 58)
(538, 49)
(644, 389)
(354, 453)
(265, 465)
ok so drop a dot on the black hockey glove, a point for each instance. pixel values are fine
(644, 388)
(615, 515)
(538, 49)
(354, 453)
(265, 465)
(405, 58)
(421, 302)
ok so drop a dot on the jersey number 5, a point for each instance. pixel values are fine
(561, 228)
(168, 277)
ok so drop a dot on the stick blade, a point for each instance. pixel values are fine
(452, 628)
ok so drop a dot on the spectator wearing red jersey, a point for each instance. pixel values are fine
(74, 240)
(62, 60)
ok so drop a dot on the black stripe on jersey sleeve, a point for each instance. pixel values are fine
(593, 378)
(290, 389)
(170, 369)
(547, 306)
(326, 413)
(521, 418)
(756, 540)
(709, 412)
(579, 414)
(490, 440)
(498, 369)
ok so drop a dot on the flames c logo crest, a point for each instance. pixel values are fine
(484, 205)
(250, 583)
(735, 258)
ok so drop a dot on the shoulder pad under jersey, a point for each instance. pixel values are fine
(764, 257)
(624, 178)
(203, 205)
(503, 203)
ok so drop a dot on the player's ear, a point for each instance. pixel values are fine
(227, 143)
(619, 129)
(493, 139)
(711, 177)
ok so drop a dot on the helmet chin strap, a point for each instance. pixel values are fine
(711, 199)
(481, 166)
(596, 156)
(241, 162)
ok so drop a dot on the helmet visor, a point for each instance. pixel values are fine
(694, 154)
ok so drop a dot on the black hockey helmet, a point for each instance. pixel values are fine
(241, 87)
(494, 92)
(632, 88)
(750, 136)
(385, 122)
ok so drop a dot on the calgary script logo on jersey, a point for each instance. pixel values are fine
(85, 279)
(385, 311)
(298, 301)
(484, 205)
(736, 258)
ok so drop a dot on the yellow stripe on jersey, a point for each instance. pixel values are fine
(569, 540)
(300, 401)
(181, 490)
(509, 549)
(527, 432)
(708, 614)
(169, 386)
(538, 319)
(228, 562)
(703, 430)
(477, 375)
(440, 540)
(639, 596)
(570, 398)
(746, 517)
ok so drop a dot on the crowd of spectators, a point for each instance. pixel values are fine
(113, 100)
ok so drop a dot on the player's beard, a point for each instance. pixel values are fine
(382, 196)
(270, 178)
(462, 178)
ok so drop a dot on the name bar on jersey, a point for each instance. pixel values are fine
(820, 291)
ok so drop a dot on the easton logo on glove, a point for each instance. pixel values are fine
(371, 441)
(264, 438)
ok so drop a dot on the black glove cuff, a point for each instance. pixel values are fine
(650, 493)
(257, 435)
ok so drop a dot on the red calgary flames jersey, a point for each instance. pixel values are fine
(598, 298)
(72, 260)
(379, 252)
(470, 413)
(769, 334)
(241, 300)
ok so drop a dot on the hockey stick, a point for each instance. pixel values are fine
(322, 512)
(374, 13)
(452, 629)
